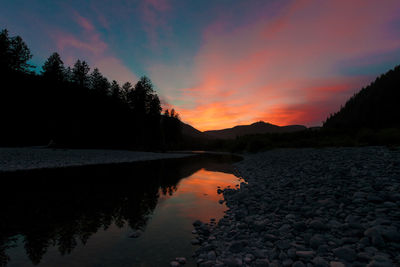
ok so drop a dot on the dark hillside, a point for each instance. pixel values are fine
(255, 128)
(375, 106)
(75, 107)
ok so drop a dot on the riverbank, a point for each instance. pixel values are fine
(309, 207)
(30, 158)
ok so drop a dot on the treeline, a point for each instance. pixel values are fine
(375, 106)
(73, 107)
(317, 138)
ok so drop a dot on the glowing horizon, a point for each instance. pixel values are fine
(221, 64)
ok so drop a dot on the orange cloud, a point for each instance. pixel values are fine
(285, 68)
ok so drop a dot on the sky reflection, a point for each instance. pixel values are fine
(94, 227)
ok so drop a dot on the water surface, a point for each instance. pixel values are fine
(88, 216)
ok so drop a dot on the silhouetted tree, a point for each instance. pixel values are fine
(115, 90)
(54, 68)
(68, 74)
(172, 128)
(172, 113)
(80, 73)
(73, 108)
(98, 82)
(154, 108)
(5, 50)
(166, 113)
(14, 53)
(375, 106)
(126, 88)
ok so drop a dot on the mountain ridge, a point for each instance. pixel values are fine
(259, 127)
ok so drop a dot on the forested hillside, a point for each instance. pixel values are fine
(375, 106)
(73, 107)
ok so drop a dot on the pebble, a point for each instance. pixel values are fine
(181, 260)
(305, 254)
(174, 264)
(298, 264)
(345, 253)
(336, 264)
(308, 207)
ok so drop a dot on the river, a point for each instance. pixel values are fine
(137, 214)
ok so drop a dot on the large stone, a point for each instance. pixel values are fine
(316, 241)
(211, 256)
(336, 264)
(362, 256)
(299, 226)
(207, 264)
(259, 225)
(270, 237)
(181, 260)
(283, 244)
(195, 242)
(232, 262)
(291, 253)
(391, 234)
(305, 254)
(197, 223)
(284, 228)
(236, 247)
(260, 253)
(261, 263)
(320, 262)
(345, 253)
(282, 256)
(317, 225)
(287, 263)
(374, 198)
(174, 264)
(298, 264)
(375, 263)
(377, 240)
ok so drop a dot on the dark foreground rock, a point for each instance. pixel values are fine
(309, 207)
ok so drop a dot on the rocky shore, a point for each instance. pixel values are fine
(309, 207)
(30, 158)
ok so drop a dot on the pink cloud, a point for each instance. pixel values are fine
(93, 44)
(153, 14)
(83, 22)
(89, 46)
(284, 69)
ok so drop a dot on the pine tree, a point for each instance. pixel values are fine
(98, 82)
(54, 68)
(80, 73)
(125, 91)
(14, 53)
(115, 90)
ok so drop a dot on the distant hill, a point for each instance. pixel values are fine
(190, 131)
(375, 106)
(255, 128)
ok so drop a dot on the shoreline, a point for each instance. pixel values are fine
(309, 207)
(34, 158)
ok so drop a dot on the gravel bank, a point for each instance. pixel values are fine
(12, 159)
(309, 207)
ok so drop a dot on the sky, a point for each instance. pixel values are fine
(222, 63)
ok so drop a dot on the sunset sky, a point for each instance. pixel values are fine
(221, 63)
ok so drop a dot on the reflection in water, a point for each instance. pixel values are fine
(87, 214)
(199, 192)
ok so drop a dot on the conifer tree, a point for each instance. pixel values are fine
(54, 68)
